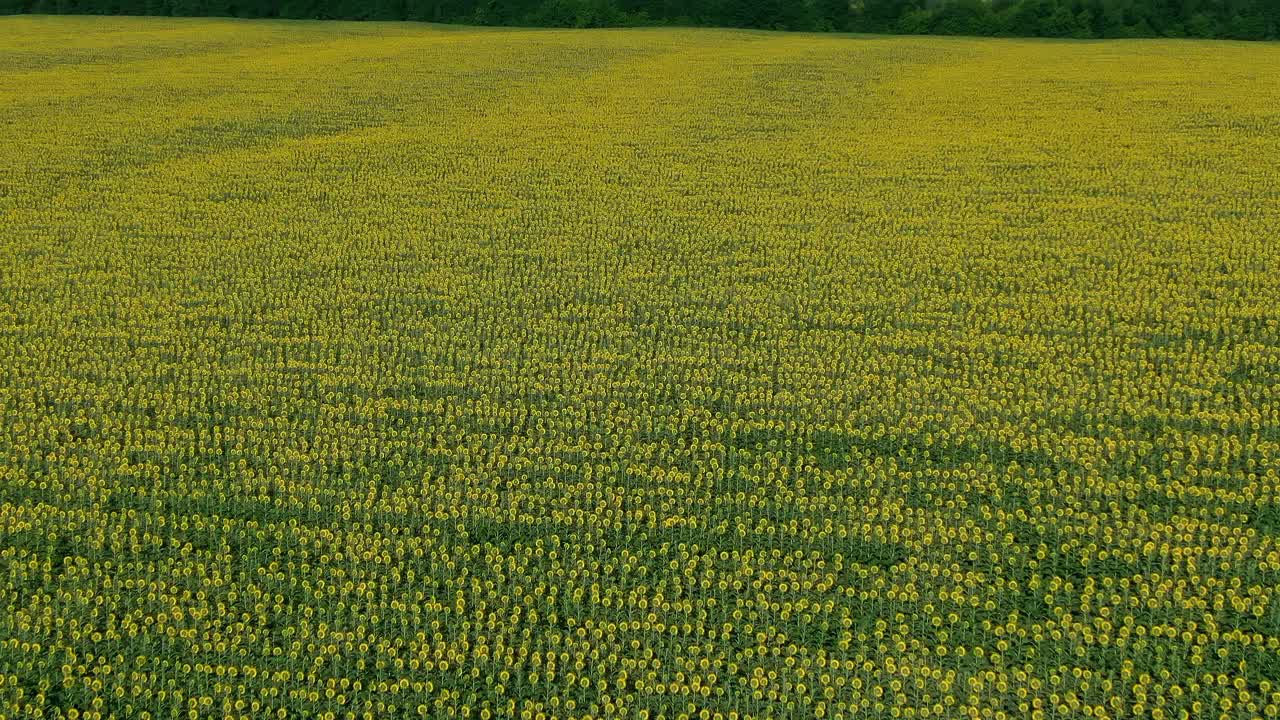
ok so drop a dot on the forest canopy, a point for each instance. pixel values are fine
(1233, 19)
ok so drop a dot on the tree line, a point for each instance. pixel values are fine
(1234, 19)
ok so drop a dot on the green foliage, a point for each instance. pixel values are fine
(1239, 19)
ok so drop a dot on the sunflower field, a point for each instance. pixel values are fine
(360, 370)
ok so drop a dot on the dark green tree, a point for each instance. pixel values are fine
(832, 15)
(1238, 19)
